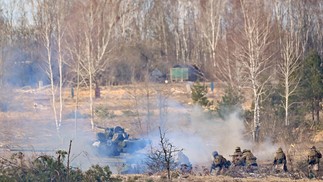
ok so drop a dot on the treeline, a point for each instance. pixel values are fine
(271, 48)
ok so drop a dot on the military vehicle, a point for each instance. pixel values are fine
(114, 141)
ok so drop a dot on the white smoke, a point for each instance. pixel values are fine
(199, 135)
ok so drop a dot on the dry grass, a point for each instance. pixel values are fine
(24, 123)
(191, 178)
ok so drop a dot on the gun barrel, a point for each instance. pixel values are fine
(28, 150)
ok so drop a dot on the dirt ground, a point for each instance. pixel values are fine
(26, 123)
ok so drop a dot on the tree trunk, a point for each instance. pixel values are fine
(91, 97)
(286, 103)
(317, 111)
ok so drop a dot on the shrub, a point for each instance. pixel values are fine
(229, 103)
(199, 94)
(97, 173)
(103, 112)
(49, 168)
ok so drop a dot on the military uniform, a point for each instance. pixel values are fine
(313, 162)
(219, 164)
(236, 157)
(109, 133)
(280, 161)
(248, 160)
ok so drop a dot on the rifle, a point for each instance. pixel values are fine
(233, 155)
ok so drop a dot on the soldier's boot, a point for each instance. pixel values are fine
(279, 168)
(311, 173)
(217, 171)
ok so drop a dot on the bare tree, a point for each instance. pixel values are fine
(290, 50)
(60, 9)
(210, 25)
(254, 54)
(95, 44)
(44, 17)
(5, 29)
(49, 19)
(162, 158)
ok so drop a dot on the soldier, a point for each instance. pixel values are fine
(313, 162)
(118, 141)
(236, 157)
(280, 161)
(219, 164)
(248, 160)
(109, 133)
(184, 164)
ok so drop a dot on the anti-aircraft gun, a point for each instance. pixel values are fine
(114, 141)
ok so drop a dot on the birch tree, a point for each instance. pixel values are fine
(60, 12)
(254, 55)
(210, 25)
(290, 53)
(96, 41)
(44, 18)
(48, 17)
(3, 41)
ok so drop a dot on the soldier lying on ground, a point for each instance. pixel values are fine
(280, 161)
(313, 160)
(219, 163)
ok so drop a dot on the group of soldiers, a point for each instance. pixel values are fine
(246, 160)
(240, 158)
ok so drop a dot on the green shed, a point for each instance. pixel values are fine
(179, 74)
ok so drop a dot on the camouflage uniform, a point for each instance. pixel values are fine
(248, 160)
(109, 133)
(280, 161)
(236, 157)
(118, 141)
(219, 164)
(313, 162)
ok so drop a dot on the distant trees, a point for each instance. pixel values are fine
(312, 86)
(210, 26)
(92, 47)
(290, 45)
(49, 17)
(245, 45)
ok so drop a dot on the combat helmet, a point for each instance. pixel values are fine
(238, 149)
(215, 153)
(280, 149)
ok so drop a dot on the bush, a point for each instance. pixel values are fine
(230, 102)
(102, 112)
(97, 173)
(199, 94)
(49, 168)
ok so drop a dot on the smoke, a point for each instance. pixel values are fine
(189, 128)
(199, 135)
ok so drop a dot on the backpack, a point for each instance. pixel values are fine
(319, 155)
(313, 157)
(280, 157)
(219, 160)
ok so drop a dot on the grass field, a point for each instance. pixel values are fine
(26, 125)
